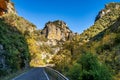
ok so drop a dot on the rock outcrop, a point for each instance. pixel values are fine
(6, 7)
(108, 9)
(57, 30)
(104, 19)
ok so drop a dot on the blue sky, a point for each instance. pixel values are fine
(78, 14)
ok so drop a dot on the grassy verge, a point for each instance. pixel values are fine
(13, 75)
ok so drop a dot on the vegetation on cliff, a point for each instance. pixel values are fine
(101, 39)
(15, 54)
(89, 68)
(92, 55)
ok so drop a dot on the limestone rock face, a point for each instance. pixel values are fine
(6, 7)
(57, 30)
(11, 8)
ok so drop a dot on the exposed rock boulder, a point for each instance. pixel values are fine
(11, 8)
(57, 30)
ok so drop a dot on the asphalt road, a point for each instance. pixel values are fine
(34, 74)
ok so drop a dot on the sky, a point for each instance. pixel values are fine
(78, 14)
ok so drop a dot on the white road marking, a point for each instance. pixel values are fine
(46, 75)
(20, 75)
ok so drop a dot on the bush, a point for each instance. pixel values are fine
(92, 69)
(89, 68)
(74, 72)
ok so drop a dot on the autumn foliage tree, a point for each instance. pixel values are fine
(3, 6)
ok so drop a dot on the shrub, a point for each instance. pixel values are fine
(89, 68)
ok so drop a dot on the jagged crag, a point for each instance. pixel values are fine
(22, 45)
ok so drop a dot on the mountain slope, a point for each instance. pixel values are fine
(41, 48)
(21, 44)
(14, 53)
(102, 39)
(104, 19)
(107, 46)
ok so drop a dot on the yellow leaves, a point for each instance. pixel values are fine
(31, 41)
(36, 60)
(32, 46)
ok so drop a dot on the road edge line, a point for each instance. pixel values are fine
(46, 75)
(20, 75)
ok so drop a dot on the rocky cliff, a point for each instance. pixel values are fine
(6, 6)
(57, 30)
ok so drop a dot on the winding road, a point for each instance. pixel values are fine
(34, 74)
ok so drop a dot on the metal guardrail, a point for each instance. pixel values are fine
(55, 75)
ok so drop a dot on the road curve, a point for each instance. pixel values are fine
(34, 74)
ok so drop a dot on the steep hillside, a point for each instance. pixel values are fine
(14, 53)
(92, 55)
(14, 49)
(107, 46)
(41, 48)
(102, 40)
(104, 19)
(30, 33)
(21, 44)
(24, 26)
